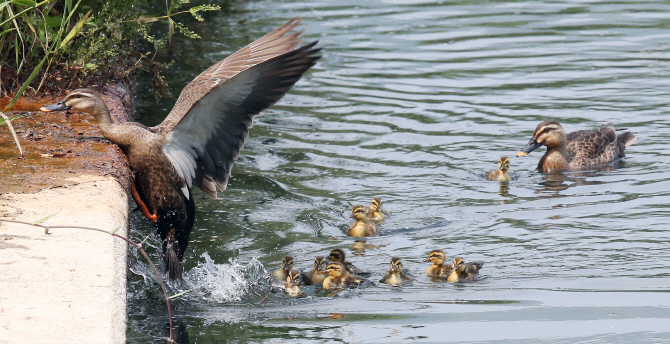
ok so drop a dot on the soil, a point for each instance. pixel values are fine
(59, 146)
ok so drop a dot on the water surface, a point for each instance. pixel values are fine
(413, 102)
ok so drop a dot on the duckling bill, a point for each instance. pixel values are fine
(202, 136)
(579, 150)
(500, 174)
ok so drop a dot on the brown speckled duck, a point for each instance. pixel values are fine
(500, 174)
(579, 150)
(339, 277)
(463, 272)
(203, 134)
(438, 269)
(363, 227)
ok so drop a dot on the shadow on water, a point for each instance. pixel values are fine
(414, 102)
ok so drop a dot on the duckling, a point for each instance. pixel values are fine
(579, 150)
(318, 273)
(362, 227)
(337, 255)
(292, 288)
(286, 267)
(396, 275)
(339, 277)
(463, 272)
(438, 269)
(376, 215)
(500, 174)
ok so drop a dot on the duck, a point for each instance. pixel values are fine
(376, 215)
(438, 269)
(337, 255)
(579, 150)
(198, 141)
(363, 227)
(318, 272)
(339, 277)
(395, 275)
(292, 289)
(285, 268)
(500, 174)
(463, 272)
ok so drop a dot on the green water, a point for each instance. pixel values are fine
(413, 101)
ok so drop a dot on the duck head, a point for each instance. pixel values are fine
(337, 255)
(503, 163)
(335, 269)
(358, 212)
(287, 263)
(436, 257)
(293, 278)
(320, 263)
(375, 204)
(548, 133)
(396, 265)
(459, 264)
(82, 100)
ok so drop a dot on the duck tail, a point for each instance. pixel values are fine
(171, 257)
(627, 138)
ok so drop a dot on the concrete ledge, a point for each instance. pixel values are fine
(68, 286)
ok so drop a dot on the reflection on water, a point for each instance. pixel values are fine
(413, 102)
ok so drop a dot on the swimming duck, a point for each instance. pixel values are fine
(500, 174)
(292, 288)
(362, 227)
(318, 273)
(339, 277)
(337, 255)
(579, 150)
(396, 275)
(464, 272)
(438, 269)
(376, 215)
(286, 267)
(202, 136)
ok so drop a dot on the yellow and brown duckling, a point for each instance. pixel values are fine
(339, 277)
(500, 174)
(363, 226)
(292, 288)
(318, 273)
(396, 275)
(286, 267)
(438, 269)
(337, 255)
(376, 215)
(579, 150)
(464, 272)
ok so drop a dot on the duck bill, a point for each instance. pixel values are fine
(352, 216)
(60, 106)
(531, 146)
(426, 260)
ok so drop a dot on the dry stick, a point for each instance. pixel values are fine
(138, 246)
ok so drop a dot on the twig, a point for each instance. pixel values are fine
(138, 246)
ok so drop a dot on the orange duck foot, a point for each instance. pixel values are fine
(142, 206)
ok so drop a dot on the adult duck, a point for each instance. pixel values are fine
(203, 134)
(579, 150)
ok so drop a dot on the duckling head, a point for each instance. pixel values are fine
(335, 269)
(396, 265)
(82, 100)
(287, 263)
(375, 204)
(503, 163)
(293, 278)
(436, 257)
(320, 263)
(337, 255)
(359, 213)
(459, 264)
(548, 133)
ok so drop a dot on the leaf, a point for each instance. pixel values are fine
(11, 129)
(38, 221)
(53, 21)
(146, 19)
(28, 3)
(77, 27)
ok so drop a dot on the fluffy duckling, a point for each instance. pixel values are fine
(292, 288)
(396, 275)
(339, 277)
(337, 255)
(286, 267)
(579, 150)
(500, 174)
(363, 227)
(463, 272)
(438, 269)
(376, 215)
(318, 273)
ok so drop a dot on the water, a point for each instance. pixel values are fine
(413, 101)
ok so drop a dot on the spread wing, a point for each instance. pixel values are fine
(592, 143)
(203, 142)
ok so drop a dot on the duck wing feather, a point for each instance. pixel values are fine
(591, 144)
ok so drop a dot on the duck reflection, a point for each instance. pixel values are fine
(560, 181)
